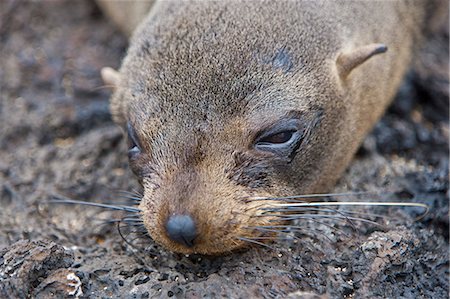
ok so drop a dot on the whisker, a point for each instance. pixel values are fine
(133, 215)
(137, 192)
(337, 230)
(132, 192)
(135, 219)
(285, 228)
(138, 199)
(130, 197)
(63, 200)
(315, 195)
(289, 211)
(366, 214)
(136, 229)
(255, 242)
(294, 228)
(137, 224)
(139, 250)
(136, 237)
(124, 239)
(139, 232)
(311, 216)
(277, 231)
(269, 226)
(294, 209)
(329, 210)
(113, 221)
(120, 203)
(271, 238)
(268, 230)
(302, 209)
(101, 87)
(357, 203)
(142, 233)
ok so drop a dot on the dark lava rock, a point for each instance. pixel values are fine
(27, 267)
(62, 283)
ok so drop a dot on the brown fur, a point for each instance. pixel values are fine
(202, 79)
(127, 14)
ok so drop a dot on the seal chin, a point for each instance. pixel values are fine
(211, 249)
(201, 247)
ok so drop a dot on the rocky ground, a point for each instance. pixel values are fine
(57, 138)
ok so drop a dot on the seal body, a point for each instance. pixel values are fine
(125, 14)
(226, 102)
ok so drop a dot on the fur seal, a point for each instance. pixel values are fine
(229, 102)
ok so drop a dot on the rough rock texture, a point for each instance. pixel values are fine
(25, 264)
(57, 137)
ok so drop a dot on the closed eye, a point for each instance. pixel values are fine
(282, 139)
(278, 138)
(279, 142)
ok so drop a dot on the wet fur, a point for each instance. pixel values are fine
(202, 79)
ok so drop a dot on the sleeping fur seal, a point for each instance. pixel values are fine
(229, 105)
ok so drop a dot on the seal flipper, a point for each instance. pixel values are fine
(347, 61)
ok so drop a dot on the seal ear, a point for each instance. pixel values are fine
(110, 77)
(347, 61)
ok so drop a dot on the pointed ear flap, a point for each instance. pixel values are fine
(110, 77)
(347, 61)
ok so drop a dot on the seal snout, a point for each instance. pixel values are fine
(181, 229)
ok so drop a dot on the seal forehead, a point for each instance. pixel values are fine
(197, 58)
(281, 60)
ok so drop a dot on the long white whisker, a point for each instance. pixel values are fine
(63, 200)
(314, 195)
(295, 228)
(311, 216)
(355, 203)
(338, 230)
(303, 209)
(327, 210)
(271, 238)
(277, 231)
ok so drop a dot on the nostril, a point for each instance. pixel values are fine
(181, 229)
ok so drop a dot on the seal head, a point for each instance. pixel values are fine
(228, 102)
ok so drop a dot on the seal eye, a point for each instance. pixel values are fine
(132, 152)
(133, 142)
(282, 139)
(280, 142)
(278, 138)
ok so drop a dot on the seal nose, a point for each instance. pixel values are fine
(181, 229)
